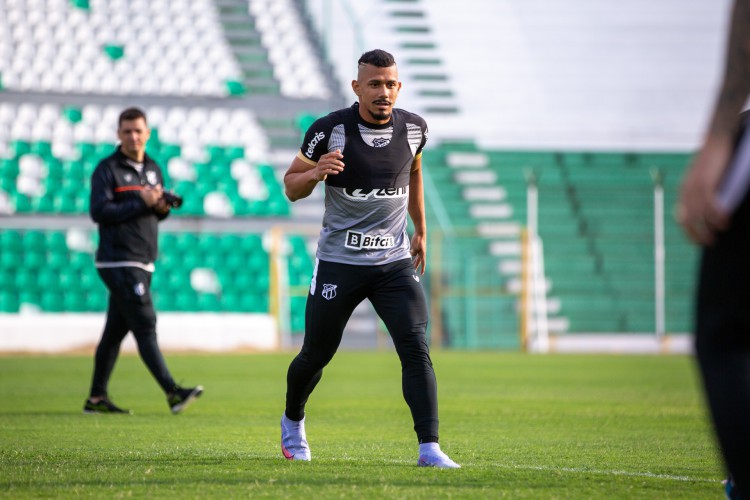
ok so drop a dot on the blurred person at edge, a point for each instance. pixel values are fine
(722, 306)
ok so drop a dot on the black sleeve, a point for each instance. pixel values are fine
(315, 143)
(103, 207)
(425, 135)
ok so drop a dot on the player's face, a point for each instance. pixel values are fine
(133, 135)
(377, 89)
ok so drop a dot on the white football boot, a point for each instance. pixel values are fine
(430, 455)
(293, 440)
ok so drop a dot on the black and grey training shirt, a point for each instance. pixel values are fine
(366, 204)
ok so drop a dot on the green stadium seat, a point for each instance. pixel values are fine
(163, 301)
(20, 148)
(8, 301)
(9, 168)
(65, 203)
(51, 301)
(8, 184)
(47, 279)
(87, 151)
(230, 302)
(208, 302)
(22, 203)
(79, 261)
(96, 301)
(30, 297)
(42, 149)
(10, 240)
(186, 301)
(74, 301)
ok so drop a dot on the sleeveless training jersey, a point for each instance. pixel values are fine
(366, 204)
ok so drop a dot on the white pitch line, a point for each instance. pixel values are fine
(574, 470)
(577, 470)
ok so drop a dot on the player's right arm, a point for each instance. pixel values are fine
(313, 162)
(303, 175)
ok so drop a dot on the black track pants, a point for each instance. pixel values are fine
(130, 309)
(723, 342)
(396, 294)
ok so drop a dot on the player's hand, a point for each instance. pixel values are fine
(419, 252)
(328, 164)
(697, 210)
(152, 195)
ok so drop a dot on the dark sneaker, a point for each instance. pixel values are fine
(182, 397)
(103, 406)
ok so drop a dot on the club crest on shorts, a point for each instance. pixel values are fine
(329, 291)
(139, 289)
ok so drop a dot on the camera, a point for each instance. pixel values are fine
(173, 200)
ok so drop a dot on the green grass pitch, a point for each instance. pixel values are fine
(522, 426)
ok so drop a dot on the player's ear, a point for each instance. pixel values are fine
(355, 87)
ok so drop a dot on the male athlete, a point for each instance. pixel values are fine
(370, 158)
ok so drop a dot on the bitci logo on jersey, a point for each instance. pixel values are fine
(359, 241)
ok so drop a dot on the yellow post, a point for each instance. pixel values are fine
(525, 289)
(436, 289)
(274, 304)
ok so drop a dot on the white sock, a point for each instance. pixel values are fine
(428, 448)
(292, 423)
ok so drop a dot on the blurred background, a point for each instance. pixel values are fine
(559, 132)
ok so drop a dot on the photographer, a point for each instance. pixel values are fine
(128, 202)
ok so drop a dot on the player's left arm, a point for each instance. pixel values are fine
(697, 210)
(416, 213)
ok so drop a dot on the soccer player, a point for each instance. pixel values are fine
(127, 202)
(369, 157)
(722, 328)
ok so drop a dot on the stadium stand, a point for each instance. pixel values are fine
(67, 68)
(52, 151)
(596, 221)
(230, 85)
(117, 47)
(53, 271)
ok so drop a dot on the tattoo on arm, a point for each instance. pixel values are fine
(736, 85)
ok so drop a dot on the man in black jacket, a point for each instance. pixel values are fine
(127, 202)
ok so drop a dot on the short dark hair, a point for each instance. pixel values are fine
(378, 58)
(131, 114)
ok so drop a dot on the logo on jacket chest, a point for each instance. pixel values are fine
(151, 178)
